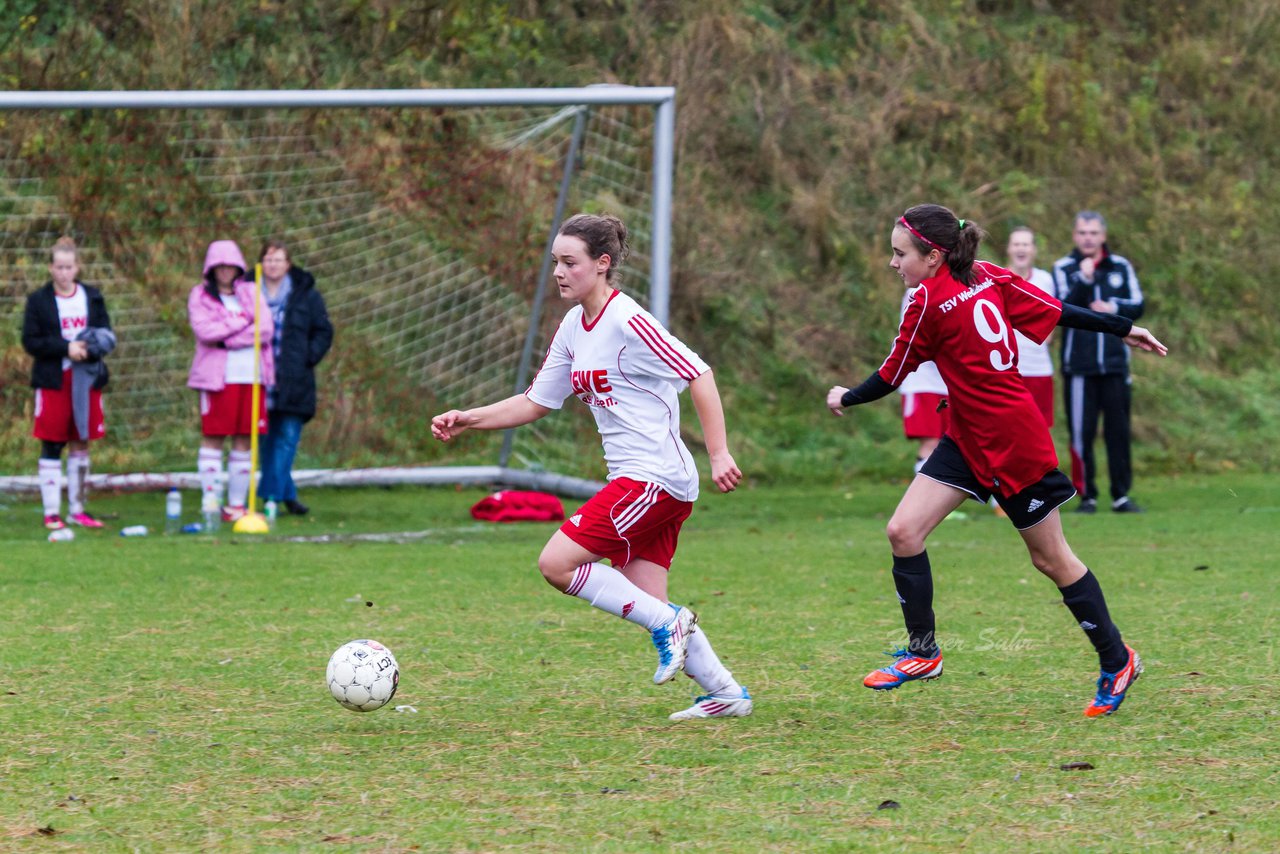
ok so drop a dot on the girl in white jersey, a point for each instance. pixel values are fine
(619, 360)
(67, 331)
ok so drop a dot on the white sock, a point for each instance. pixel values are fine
(238, 478)
(610, 591)
(50, 476)
(77, 477)
(209, 466)
(703, 666)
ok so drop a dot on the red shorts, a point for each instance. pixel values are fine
(1041, 389)
(921, 418)
(230, 412)
(55, 419)
(627, 520)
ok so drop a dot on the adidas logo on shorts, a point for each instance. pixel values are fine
(1035, 505)
(576, 519)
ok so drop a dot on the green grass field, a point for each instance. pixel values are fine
(167, 693)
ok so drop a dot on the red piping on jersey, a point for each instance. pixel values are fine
(589, 326)
(685, 461)
(544, 361)
(70, 295)
(662, 349)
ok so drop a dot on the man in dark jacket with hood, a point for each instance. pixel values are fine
(303, 336)
(1095, 367)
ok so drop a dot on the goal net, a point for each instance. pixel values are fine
(426, 225)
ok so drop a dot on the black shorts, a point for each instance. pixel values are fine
(1026, 509)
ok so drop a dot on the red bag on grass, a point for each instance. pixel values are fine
(515, 506)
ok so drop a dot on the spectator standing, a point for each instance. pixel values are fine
(67, 331)
(221, 311)
(1095, 366)
(303, 336)
(1034, 362)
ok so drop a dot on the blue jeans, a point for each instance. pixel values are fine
(279, 447)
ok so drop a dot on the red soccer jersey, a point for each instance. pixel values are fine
(968, 332)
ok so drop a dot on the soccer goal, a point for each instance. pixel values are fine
(425, 215)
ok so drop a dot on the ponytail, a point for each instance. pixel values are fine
(935, 227)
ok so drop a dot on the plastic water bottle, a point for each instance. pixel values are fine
(62, 535)
(211, 513)
(173, 511)
(269, 511)
(134, 531)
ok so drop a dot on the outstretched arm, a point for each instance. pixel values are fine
(706, 402)
(1142, 338)
(512, 412)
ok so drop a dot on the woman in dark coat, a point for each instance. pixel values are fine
(303, 336)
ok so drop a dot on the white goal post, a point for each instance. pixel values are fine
(379, 275)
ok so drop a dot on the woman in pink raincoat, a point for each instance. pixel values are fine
(221, 311)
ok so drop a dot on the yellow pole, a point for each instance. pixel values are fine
(252, 522)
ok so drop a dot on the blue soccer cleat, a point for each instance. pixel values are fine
(672, 643)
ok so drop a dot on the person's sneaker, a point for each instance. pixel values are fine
(1125, 505)
(296, 507)
(1112, 687)
(672, 642)
(54, 522)
(84, 520)
(905, 668)
(711, 706)
(1087, 505)
(232, 514)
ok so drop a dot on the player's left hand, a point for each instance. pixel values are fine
(725, 472)
(1143, 339)
(833, 399)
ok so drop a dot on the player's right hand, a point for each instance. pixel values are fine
(834, 399)
(78, 351)
(446, 425)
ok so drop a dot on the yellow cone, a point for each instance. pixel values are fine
(251, 523)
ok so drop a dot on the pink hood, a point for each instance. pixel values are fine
(224, 252)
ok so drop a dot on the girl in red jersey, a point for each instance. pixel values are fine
(963, 316)
(619, 360)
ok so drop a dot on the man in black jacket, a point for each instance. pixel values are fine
(1095, 367)
(303, 336)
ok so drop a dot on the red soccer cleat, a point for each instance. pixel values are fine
(1112, 687)
(905, 668)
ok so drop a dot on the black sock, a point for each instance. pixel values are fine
(1087, 604)
(914, 580)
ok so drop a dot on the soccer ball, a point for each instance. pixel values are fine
(363, 675)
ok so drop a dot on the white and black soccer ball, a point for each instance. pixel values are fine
(363, 675)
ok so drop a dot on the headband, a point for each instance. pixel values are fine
(902, 220)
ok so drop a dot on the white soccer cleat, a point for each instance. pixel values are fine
(712, 706)
(672, 643)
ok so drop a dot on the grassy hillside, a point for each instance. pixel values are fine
(804, 128)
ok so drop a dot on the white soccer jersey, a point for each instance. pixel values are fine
(925, 379)
(73, 316)
(1033, 358)
(630, 371)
